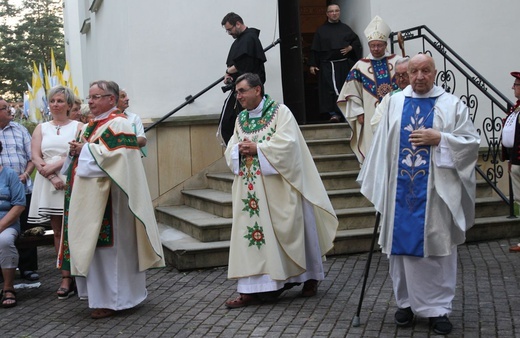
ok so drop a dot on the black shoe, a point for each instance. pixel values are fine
(64, 293)
(441, 325)
(403, 317)
(29, 275)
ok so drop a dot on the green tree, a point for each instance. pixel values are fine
(40, 29)
(7, 42)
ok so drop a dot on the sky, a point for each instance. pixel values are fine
(17, 3)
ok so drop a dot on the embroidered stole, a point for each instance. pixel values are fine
(250, 166)
(106, 233)
(379, 83)
(412, 179)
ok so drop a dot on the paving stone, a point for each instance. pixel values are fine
(191, 304)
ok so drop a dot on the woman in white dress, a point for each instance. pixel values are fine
(49, 146)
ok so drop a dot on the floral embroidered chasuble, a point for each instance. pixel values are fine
(267, 235)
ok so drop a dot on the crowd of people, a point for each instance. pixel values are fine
(415, 142)
(417, 148)
(90, 188)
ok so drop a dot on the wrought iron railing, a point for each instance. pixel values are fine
(486, 103)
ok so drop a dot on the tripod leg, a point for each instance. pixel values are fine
(355, 321)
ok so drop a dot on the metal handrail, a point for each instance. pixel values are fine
(191, 98)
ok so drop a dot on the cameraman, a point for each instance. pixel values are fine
(246, 55)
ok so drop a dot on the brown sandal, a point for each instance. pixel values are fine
(102, 313)
(243, 300)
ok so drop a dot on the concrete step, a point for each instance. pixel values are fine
(326, 131)
(207, 214)
(331, 180)
(328, 163)
(346, 179)
(483, 189)
(351, 198)
(221, 181)
(209, 200)
(490, 206)
(356, 218)
(186, 253)
(201, 225)
(496, 227)
(329, 146)
(196, 235)
(219, 202)
(206, 227)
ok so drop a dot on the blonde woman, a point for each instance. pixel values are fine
(49, 148)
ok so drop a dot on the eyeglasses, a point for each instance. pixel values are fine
(401, 76)
(241, 91)
(516, 84)
(97, 96)
(4, 108)
(229, 29)
(333, 11)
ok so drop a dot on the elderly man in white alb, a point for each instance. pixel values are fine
(110, 227)
(369, 80)
(420, 175)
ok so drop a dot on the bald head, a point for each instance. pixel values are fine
(422, 72)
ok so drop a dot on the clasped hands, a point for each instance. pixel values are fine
(247, 148)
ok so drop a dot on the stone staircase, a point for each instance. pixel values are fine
(196, 235)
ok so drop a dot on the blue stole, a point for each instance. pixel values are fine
(380, 83)
(412, 179)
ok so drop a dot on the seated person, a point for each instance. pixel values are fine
(12, 204)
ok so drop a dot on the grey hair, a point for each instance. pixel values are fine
(252, 80)
(69, 95)
(402, 61)
(108, 86)
(84, 109)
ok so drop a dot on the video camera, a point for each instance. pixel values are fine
(228, 86)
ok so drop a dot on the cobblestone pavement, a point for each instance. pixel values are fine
(190, 304)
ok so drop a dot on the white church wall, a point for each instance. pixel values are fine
(161, 51)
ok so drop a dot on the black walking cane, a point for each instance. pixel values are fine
(355, 321)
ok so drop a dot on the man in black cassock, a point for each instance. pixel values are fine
(245, 56)
(335, 49)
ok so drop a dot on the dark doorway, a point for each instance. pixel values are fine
(299, 19)
(291, 58)
(312, 14)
